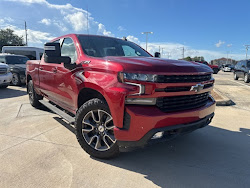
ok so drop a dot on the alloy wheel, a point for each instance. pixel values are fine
(15, 79)
(30, 92)
(97, 130)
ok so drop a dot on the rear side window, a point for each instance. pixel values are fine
(68, 49)
(30, 54)
(16, 60)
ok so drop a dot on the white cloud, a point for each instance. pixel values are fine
(33, 35)
(78, 21)
(58, 24)
(120, 28)
(229, 45)
(133, 39)
(219, 44)
(45, 21)
(77, 18)
(102, 30)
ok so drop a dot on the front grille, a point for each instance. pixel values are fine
(178, 103)
(183, 78)
(3, 70)
(179, 89)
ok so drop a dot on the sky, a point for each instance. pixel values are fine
(209, 28)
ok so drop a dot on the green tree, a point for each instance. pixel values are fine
(188, 58)
(196, 58)
(8, 38)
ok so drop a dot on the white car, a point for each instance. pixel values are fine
(5, 75)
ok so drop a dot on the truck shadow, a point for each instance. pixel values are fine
(210, 156)
(11, 92)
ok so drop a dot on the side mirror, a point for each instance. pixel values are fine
(52, 54)
(157, 54)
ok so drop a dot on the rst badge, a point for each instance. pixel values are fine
(197, 88)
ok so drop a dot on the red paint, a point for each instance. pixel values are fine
(63, 86)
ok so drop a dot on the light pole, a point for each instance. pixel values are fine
(247, 46)
(147, 32)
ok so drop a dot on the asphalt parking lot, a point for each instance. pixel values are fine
(38, 149)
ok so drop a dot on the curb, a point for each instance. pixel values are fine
(225, 101)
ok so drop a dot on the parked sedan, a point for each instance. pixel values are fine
(227, 68)
(242, 70)
(17, 64)
(5, 75)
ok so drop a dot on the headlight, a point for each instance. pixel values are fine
(8, 70)
(137, 77)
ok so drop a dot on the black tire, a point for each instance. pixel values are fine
(33, 96)
(4, 86)
(246, 78)
(16, 81)
(215, 71)
(90, 107)
(235, 77)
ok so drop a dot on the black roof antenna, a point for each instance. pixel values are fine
(88, 19)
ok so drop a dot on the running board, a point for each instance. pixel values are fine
(61, 113)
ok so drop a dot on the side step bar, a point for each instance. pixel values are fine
(61, 113)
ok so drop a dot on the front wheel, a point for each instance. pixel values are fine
(16, 81)
(246, 78)
(95, 129)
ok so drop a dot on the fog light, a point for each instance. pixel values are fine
(141, 101)
(158, 135)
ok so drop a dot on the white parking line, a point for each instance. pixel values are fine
(239, 83)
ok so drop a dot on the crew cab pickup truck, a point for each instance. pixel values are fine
(117, 95)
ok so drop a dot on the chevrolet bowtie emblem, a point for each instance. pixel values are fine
(197, 88)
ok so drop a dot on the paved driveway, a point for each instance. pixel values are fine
(38, 149)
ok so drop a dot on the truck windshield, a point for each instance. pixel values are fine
(16, 60)
(97, 46)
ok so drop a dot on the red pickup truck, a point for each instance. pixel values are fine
(215, 68)
(117, 95)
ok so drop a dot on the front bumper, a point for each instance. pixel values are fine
(5, 79)
(139, 120)
(169, 132)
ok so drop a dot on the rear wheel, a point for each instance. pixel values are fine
(235, 76)
(215, 71)
(16, 81)
(95, 129)
(246, 78)
(33, 96)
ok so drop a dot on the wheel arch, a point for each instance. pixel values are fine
(86, 94)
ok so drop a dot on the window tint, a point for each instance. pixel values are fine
(30, 54)
(16, 60)
(105, 46)
(68, 49)
(2, 59)
(248, 64)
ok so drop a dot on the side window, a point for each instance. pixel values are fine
(2, 59)
(68, 49)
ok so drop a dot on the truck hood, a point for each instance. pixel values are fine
(159, 65)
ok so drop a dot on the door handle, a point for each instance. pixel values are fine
(54, 70)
